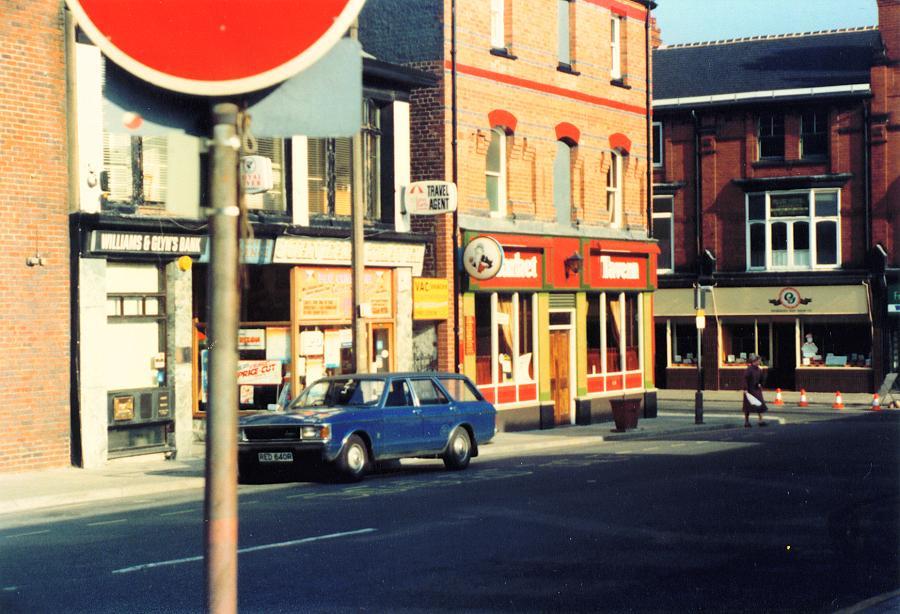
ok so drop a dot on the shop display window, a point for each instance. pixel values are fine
(632, 326)
(614, 333)
(740, 339)
(684, 344)
(594, 336)
(504, 345)
(835, 345)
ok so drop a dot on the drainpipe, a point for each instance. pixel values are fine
(649, 126)
(698, 200)
(457, 278)
(867, 183)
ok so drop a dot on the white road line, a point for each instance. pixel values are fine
(287, 544)
(28, 534)
(105, 522)
(190, 511)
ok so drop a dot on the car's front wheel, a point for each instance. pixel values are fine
(459, 450)
(353, 460)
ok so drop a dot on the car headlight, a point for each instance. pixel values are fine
(317, 432)
(242, 435)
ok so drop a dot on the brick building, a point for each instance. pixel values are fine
(540, 116)
(34, 287)
(772, 189)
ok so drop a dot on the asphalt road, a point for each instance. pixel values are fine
(800, 517)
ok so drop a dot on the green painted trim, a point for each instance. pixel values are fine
(581, 311)
(649, 331)
(543, 316)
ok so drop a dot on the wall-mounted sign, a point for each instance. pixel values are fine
(483, 258)
(430, 197)
(256, 174)
(107, 242)
(618, 270)
(252, 339)
(790, 298)
(316, 251)
(431, 298)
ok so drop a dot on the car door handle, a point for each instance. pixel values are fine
(417, 411)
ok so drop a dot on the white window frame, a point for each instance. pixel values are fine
(669, 215)
(500, 173)
(516, 298)
(812, 219)
(615, 46)
(498, 26)
(658, 152)
(614, 191)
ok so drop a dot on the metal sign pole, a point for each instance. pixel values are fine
(220, 505)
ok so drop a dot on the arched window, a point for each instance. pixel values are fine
(495, 172)
(562, 182)
(614, 189)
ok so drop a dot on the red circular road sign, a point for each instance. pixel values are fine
(214, 47)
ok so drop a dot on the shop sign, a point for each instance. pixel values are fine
(324, 294)
(431, 298)
(483, 258)
(893, 299)
(252, 251)
(789, 298)
(252, 339)
(614, 270)
(520, 269)
(430, 197)
(304, 250)
(108, 242)
(259, 372)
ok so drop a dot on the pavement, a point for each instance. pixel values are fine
(153, 474)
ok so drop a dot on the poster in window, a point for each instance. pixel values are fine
(315, 369)
(278, 344)
(332, 349)
(312, 343)
(246, 395)
(252, 339)
(324, 294)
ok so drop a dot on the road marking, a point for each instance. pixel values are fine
(288, 544)
(10, 589)
(105, 522)
(190, 511)
(28, 534)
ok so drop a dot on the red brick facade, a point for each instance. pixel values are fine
(34, 300)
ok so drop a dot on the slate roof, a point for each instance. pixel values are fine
(783, 62)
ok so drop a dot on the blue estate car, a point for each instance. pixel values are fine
(352, 421)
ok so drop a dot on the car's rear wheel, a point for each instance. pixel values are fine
(459, 450)
(353, 460)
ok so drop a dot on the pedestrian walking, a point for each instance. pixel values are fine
(753, 395)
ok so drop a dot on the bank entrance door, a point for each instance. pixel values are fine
(784, 356)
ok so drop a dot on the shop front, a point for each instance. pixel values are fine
(560, 329)
(816, 338)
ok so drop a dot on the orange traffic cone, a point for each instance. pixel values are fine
(876, 402)
(838, 401)
(778, 399)
(803, 400)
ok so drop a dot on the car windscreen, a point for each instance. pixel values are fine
(345, 392)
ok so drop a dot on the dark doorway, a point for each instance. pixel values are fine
(784, 357)
(660, 359)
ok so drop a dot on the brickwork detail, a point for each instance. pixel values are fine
(34, 300)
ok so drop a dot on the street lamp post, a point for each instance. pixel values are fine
(701, 324)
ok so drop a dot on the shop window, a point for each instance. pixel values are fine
(662, 231)
(793, 230)
(814, 135)
(770, 137)
(614, 332)
(740, 339)
(632, 333)
(837, 344)
(504, 346)
(594, 335)
(684, 344)
(495, 172)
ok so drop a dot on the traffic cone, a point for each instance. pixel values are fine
(803, 400)
(778, 399)
(876, 402)
(838, 401)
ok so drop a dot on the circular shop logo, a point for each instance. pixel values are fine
(789, 298)
(483, 258)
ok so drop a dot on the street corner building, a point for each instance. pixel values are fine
(775, 204)
(540, 116)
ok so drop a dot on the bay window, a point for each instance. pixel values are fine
(793, 230)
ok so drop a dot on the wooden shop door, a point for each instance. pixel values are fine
(559, 376)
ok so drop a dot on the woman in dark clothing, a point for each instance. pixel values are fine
(753, 378)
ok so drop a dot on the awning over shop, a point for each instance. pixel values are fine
(766, 301)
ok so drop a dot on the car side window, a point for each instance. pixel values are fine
(460, 389)
(399, 395)
(428, 393)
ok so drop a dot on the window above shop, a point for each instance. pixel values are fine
(770, 137)
(793, 230)
(663, 232)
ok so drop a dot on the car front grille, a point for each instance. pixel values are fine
(272, 433)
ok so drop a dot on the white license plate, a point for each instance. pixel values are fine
(276, 457)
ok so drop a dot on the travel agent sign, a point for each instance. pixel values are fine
(215, 47)
(430, 197)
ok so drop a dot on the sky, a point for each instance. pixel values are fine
(678, 19)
